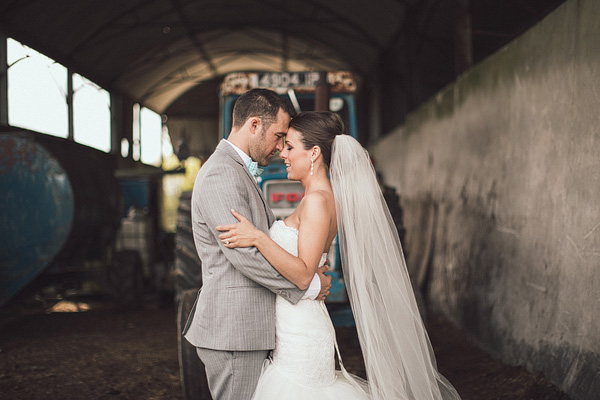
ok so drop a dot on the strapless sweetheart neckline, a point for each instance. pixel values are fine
(287, 226)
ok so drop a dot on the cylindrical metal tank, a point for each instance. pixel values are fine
(60, 204)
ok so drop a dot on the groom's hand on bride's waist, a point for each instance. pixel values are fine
(325, 281)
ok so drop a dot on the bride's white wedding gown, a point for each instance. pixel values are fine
(302, 365)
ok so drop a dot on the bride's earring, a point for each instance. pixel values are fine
(312, 166)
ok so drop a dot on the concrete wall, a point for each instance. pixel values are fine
(499, 176)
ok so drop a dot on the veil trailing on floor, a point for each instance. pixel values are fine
(399, 359)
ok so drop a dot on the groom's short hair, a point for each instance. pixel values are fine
(261, 103)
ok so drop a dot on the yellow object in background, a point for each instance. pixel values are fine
(173, 185)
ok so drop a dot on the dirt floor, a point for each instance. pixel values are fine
(85, 350)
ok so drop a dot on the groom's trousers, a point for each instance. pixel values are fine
(232, 375)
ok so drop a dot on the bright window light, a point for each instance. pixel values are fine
(135, 146)
(37, 88)
(91, 114)
(167, 146)
(151, 137)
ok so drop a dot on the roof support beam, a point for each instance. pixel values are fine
(70, 108)
(3, 81)
(463, 37)
(190, 32)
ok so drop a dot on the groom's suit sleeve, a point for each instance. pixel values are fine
(227, 190)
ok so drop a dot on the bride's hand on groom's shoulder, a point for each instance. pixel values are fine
(242, 234)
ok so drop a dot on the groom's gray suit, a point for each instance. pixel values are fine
(235, 309)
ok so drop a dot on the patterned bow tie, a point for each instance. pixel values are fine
(254, 169)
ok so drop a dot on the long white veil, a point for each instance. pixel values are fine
(399, 359)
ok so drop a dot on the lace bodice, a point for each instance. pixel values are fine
(305, 337)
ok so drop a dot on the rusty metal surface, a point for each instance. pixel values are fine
(37, 207)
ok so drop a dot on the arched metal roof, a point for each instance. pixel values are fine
(153, 51)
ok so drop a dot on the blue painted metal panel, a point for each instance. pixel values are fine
(341, 316)
(37, 211)
(136, 193)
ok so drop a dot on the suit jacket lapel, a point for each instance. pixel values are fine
(235, 157)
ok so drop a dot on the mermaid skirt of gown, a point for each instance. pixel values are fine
(302, 365)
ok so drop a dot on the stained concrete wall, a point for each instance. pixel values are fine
(499, 176)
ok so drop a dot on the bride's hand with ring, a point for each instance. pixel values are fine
(242, 234)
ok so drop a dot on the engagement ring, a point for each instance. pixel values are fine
(226, 241)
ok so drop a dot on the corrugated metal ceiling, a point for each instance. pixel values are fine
(154, 51)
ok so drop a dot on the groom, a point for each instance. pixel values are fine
(232, 323)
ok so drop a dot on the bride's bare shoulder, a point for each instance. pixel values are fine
(318, 198)
(319, 213)
(318, 204)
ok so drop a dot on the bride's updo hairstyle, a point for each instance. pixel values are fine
(318, 128)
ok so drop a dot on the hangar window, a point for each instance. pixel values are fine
(91, 114)
(147, 136)
(37, 87)
(151, 137)
(37, 98)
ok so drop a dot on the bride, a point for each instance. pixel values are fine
(342, 197)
